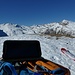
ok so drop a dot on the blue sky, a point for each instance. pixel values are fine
(33, 12)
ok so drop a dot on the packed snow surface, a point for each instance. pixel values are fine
(52, 37)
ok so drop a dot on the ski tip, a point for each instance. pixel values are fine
(63, 50)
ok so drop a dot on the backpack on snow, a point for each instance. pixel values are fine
(21, 50)
(30, 51)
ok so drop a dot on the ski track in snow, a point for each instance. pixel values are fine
(50, 47)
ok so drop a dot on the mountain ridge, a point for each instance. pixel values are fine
(63, 28)
(50, 45)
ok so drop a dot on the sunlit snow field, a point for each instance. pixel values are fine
(63, 36)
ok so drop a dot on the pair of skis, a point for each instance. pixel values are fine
(68, 53)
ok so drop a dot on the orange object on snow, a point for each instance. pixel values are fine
(30, 51)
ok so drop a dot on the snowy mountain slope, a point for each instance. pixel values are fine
(14, 29)
(50, 45)
(66, 28)
(2, 33)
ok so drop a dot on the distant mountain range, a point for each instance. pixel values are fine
(66, 28)
(50, 45)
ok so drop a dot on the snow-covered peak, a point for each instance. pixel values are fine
(50, 45)
(64, 28)
(14, 29)
(8, 28)
(65, 22)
